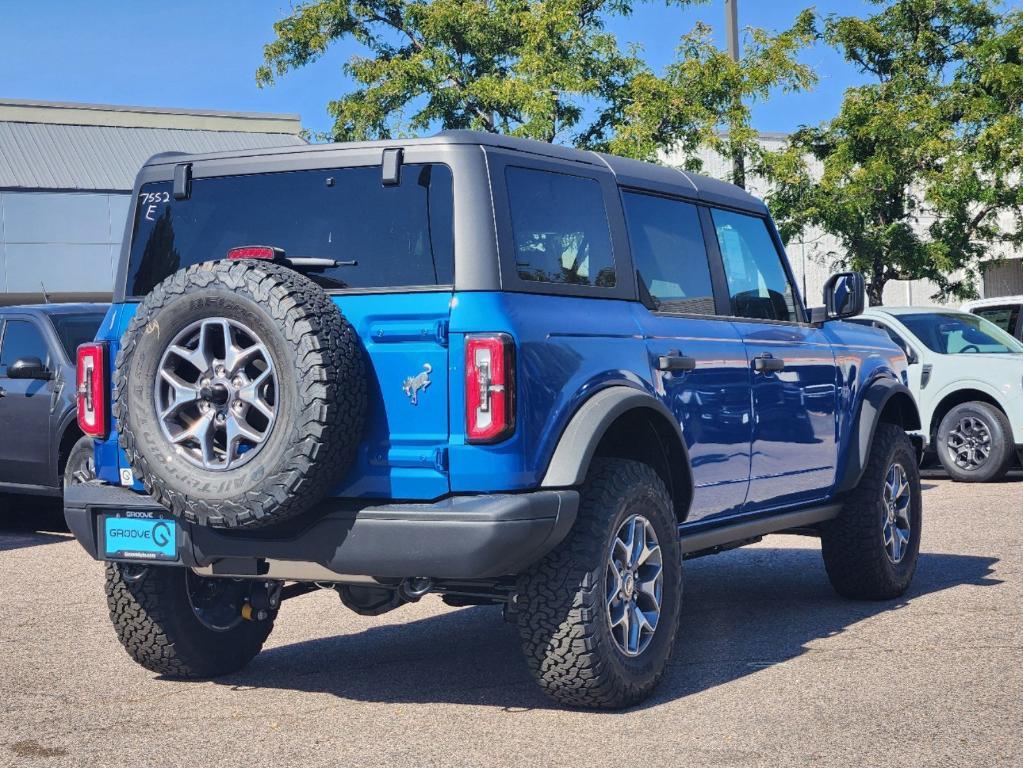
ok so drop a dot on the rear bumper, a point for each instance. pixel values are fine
(463, 537)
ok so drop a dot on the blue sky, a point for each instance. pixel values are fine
(203, 54)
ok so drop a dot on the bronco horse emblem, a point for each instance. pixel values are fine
(413, 384)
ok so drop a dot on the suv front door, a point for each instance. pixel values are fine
(697, 358)
(25, 406)
(794, 387)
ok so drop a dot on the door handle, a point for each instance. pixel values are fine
(676, 361)
(767, 363)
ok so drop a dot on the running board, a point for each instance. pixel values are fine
(721, 536)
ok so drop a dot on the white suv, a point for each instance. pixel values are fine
(967, 376)
(1003, 312)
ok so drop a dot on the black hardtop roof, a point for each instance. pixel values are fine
(629, 173)
(55, 309)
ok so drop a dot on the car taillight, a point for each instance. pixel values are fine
(489, 388)
(91, 388)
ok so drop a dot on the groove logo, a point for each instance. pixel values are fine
(140, 539)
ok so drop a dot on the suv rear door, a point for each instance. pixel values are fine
(392, 240)
(699, 362)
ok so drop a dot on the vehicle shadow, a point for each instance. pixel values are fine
(743, 611)
(30, 522)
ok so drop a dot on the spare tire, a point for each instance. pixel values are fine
(240, 393)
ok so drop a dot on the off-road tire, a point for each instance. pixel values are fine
(1002, 449)
(853, 545)
(321, 393)
(155, 623)
(562, 619)
(81, 464)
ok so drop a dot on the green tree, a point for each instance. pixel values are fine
(542, 69)
(914, 173)
(521, 67)
(703, 99)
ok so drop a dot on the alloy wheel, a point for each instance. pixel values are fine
(633, 585)
(217, 394)
(897, 499)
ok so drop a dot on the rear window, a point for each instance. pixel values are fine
(74, 329)
(560, 228)
(388, 236)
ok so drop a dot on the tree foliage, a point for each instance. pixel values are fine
(542, 69)
(922, 160)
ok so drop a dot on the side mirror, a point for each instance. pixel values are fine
(844, 295)
(28, 368)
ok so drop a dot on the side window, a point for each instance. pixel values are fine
(560, 228)
(669, 253)
(22, 339)
(757, 284)
(1004, 317)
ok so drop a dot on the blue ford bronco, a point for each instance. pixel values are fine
(497, 370)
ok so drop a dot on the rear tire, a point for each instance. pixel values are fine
(974, 443)
(566, 601)
(153, 614)
(857, 545)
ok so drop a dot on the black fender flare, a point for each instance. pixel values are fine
(588, 425)
(878, 394)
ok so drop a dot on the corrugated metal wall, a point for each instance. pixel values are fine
(66, 241)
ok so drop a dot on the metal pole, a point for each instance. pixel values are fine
(732, 36)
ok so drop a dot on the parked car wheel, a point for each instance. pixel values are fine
(974, 443)
(241, 393)
(176, 623)
(598, 616)
(870, 550)
(81, 463)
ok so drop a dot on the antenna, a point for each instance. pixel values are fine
(46, 296)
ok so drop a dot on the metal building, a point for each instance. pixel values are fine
(66, 173)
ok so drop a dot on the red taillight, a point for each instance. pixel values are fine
(91, 383)
(255, 252)
(489, 388)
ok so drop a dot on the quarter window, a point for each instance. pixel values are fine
(758, 286)
(1004, 317)
(559, 228)
(669, 253)
(22, 339)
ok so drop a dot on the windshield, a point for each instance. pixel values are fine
(75, 329)
(381, 236)
(956, 333)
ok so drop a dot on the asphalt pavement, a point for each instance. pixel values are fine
(772, 669)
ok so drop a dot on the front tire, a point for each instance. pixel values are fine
(598, 616)
(974, 443)
(173, 622)
(870, 550)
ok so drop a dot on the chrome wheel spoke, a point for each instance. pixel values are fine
(182, 393)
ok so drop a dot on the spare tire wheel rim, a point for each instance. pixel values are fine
(216, 394)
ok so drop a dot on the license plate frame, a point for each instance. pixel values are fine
(139, 537)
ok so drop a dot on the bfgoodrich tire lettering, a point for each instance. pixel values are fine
(563, 619)
(856, 556)
(320, 393)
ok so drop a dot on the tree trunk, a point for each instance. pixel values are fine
(875, 292)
